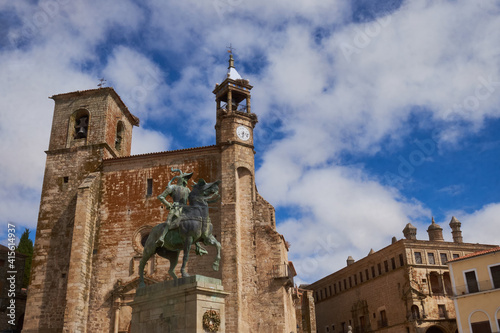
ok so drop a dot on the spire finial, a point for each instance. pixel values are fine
(433, 220)
(230, 51)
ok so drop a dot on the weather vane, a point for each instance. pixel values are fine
(101, 83)
(230, 48)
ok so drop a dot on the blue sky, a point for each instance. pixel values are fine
(371, 114)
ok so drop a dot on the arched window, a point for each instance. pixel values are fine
(415, 312)
(120, 128)
(479, 322)
(81, 124)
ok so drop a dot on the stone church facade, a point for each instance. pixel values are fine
(99, 203)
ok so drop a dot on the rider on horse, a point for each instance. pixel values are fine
(179, 194)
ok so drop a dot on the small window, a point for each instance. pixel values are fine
(360, 277)
(340, 286)
(355, 280)
(431, 258)
(418, 258)
(393, 263)
(149, 189)
(444, 258)
(65, 180)
(383, 319)
(373, 271)
(366, 274)
(442, 310)
(333, 327)
(456, 255)
(386, 266)
(495, 276)
(350, 282)
(330, 288)
(345, 284)
(335, 288)
(470, 278)
(327, 329)
(379, 269)
(401, 260)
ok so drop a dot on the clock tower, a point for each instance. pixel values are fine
(235, 120)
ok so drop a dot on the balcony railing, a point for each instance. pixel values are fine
(471, 289)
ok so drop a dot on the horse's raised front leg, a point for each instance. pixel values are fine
(187, 247)
(211, 240)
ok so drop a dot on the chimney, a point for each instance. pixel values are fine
(410, 232)
(455, 230)
(350, 261)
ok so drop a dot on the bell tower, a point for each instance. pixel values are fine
(235, 120)
(87, 127)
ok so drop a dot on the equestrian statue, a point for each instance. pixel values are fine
(185, 224)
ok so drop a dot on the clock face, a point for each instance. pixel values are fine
(243, 133)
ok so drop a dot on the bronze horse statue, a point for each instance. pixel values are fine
(194, 226)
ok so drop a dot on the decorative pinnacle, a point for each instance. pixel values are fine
(231, 61)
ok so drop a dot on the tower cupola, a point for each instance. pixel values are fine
(435, 232)
(235, 120)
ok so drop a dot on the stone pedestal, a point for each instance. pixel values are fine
(178, 306)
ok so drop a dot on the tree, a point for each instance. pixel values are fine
(26, 247)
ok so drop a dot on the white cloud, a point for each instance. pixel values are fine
(480, 226)
(149, 141)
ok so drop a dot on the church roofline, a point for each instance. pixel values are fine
(133, 119)
(121, 158)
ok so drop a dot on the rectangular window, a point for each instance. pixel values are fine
(333, 327)
(330, 288)
(495, 276)
(340, 286)
(65, 180)
(335, 288)
(386, 266)
(321, 294)
(456, 255)
(366, 274)
(360, 277)
(393, 263)
(431, 258)
(149, 190)
(418, 258)
(350, 282)
(345, 284)
(355, 280)
(401, 260)
(444, 258)
(442, 311)
(471, 280)
(379, 269)
(326, 294)
(373, 271)
(316, 296)
(327, 329)
(383, 319)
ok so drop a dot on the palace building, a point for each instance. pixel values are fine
(99, 204)
(404, 287)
